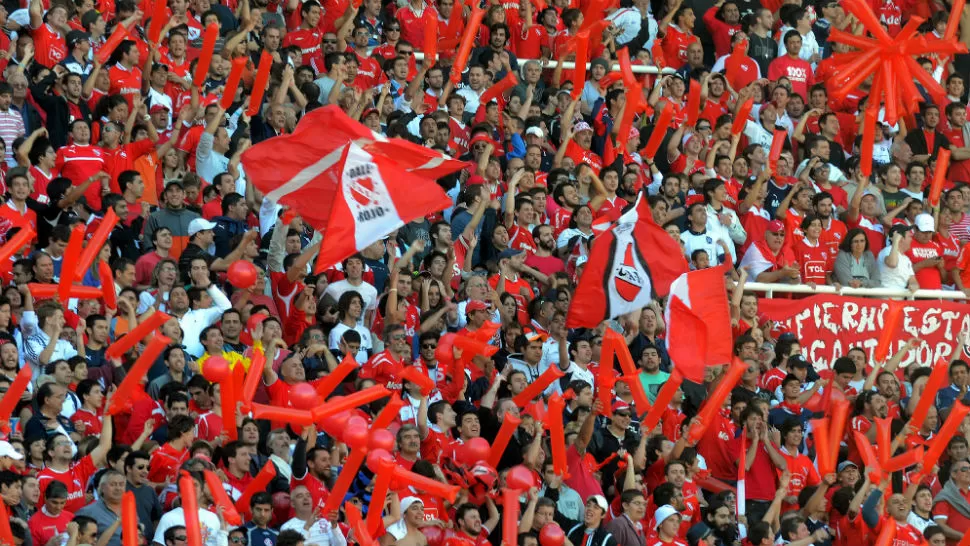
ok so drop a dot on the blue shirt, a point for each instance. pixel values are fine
(261, 537)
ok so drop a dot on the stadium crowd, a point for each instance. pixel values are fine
(83, 133)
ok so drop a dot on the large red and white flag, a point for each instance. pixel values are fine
(630, 264)
(698, 322)
(353, 185)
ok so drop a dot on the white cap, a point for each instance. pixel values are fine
(200, 224)
(534, 131)
(581, 126)
(406, 503)
(924, 222)
(663, 513)
(600, 501)
(7, 450)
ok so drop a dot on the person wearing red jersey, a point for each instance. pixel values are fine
(797, 70)
(311, 466)
(802, 473)
(688, 161)
(414, 17)
(862, 213)
(833, 229)
(959, 137)
(87, 418)
(435, 422)
(81, 161)
(519, 215)
(125, 74)
(926, 254)
(471, 531)
(386, 366)
(723, 21)
(874, 405)
(166, 460)
(308, 36)
(677, 32)
(237, 457)
(14, 213)
(764, 463)
(75, 476)
(897, 509)
(51, 520)
(49, 45)
(815, 259)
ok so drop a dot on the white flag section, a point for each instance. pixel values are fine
(368, 201)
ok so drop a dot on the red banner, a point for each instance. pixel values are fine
(828, 326)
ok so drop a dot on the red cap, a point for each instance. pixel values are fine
(475, 305)
(776, 226)
(368, 112)
(694, 198)
(620, 405)
(475, 180)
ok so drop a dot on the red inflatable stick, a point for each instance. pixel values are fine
(205, 56)
(938, 378)
(693, 103)
(337, 376)
(906, 460)
(659, 131)
(868, 141)
(12, 397)
(221, 498)
(510, 513)
(417, 481)
(118, 35)
(288, 415)
(953, 23)
(626, 67)
(509, 425)
(496, 91)
(69, 263)
(534, 390)
(259, 83)
(467, 40)
(615, 345)
(357, 399)
(6, 534)
(259, 483)
(866, 450)
(389, 414)
(190, 509)
(419, 378)
(431, 41)
(107, 285)
(159, 15)
(887, 535)
(24, 236)
(742, 118)
(579, 74)
(889, 89)
(633, 94)
(97, 240)
(557, 435)
(251, 382)
(136, 334)
(604, 388)
(228, 398)
(839, 420)
(889, 324)
(777, 145)
(949, 428)
(663, 399)
(382, 484)
(939, 177)
(232, 83)
(354, 519)
(823, 446)
(716, 399)
(347, 475)
(884, 440)
(45, 291)
(132, 380)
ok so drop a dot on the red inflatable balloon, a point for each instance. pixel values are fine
(242, 274)
(520, 477)
(356, 433)
(552, 535)
(381, 439)
(303, 396)
(375, 456)
(444, 352)
(215, 369)
(475, 451)
(337, 423)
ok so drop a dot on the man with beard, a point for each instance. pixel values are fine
(146, 500)
(591, 530)
(720, 519)
(833, 229)
(543, 259)
(470, 529)
(311, 467)
(567, 197)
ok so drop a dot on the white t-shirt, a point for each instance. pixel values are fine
(365, 342)
(366, 290)
(895, 277)
(208, 525)
(321, 532)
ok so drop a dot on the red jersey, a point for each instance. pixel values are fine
(125, 82)
(833, 235)
(929, 278)
(798, 71)
(675, 44)
(165, 463)
(461, 539)
(318, 491)
(49, 46)
(384, 369)
(814, 261)
(713, 446)
(803, 474)
(413, 24)
(79, 163)
(92, 422)
(308, 40)
(875, 232)
(579, 155)
(530, 42)
(890, 13)
(76, 479)
(521, 239)
(208, 427)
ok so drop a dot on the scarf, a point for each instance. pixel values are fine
(951, 494)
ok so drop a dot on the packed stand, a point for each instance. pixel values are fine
(85, 131)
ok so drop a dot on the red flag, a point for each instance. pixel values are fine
(698, 322)
(630, 264)
(343, 179)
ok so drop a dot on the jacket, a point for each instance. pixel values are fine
(176, 220)
(226, 228)
(625, 532)
(57, 111)
(843, 269)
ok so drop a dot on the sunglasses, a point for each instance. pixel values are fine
(398, 337)
(429, 346)
(394, 29)
(239, 540)
(329, 41)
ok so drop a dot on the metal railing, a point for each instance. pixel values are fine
(568, 65)
(769, 289)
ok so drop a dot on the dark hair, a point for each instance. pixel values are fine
(55, 490)
(846, 244)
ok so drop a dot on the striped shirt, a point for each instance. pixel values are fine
(11, 127)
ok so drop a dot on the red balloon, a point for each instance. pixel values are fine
(215, 369)
(242, 274)
(552, 535)
(520, 477)
(475, 451)
(303, 396)
(375, 456)
(355, 434)
(444, 352)
(381, 439)
(337, 423)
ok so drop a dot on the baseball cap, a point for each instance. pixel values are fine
(581, 126)
(170, 183)
(797, 361)
(534, 131)
(76, 36)
(7, 450)
(200, 224)
(697, 533)
(924, 222)
(158, 108)
(600, 501)
(846, 464)
(90, 17)
(898, 228)
(475, 180)
(776, 226)
(508, 253)
(663, 513)
(475, 305)
(600, 61)
(368, 112)
(620, 405)
(406, 503)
